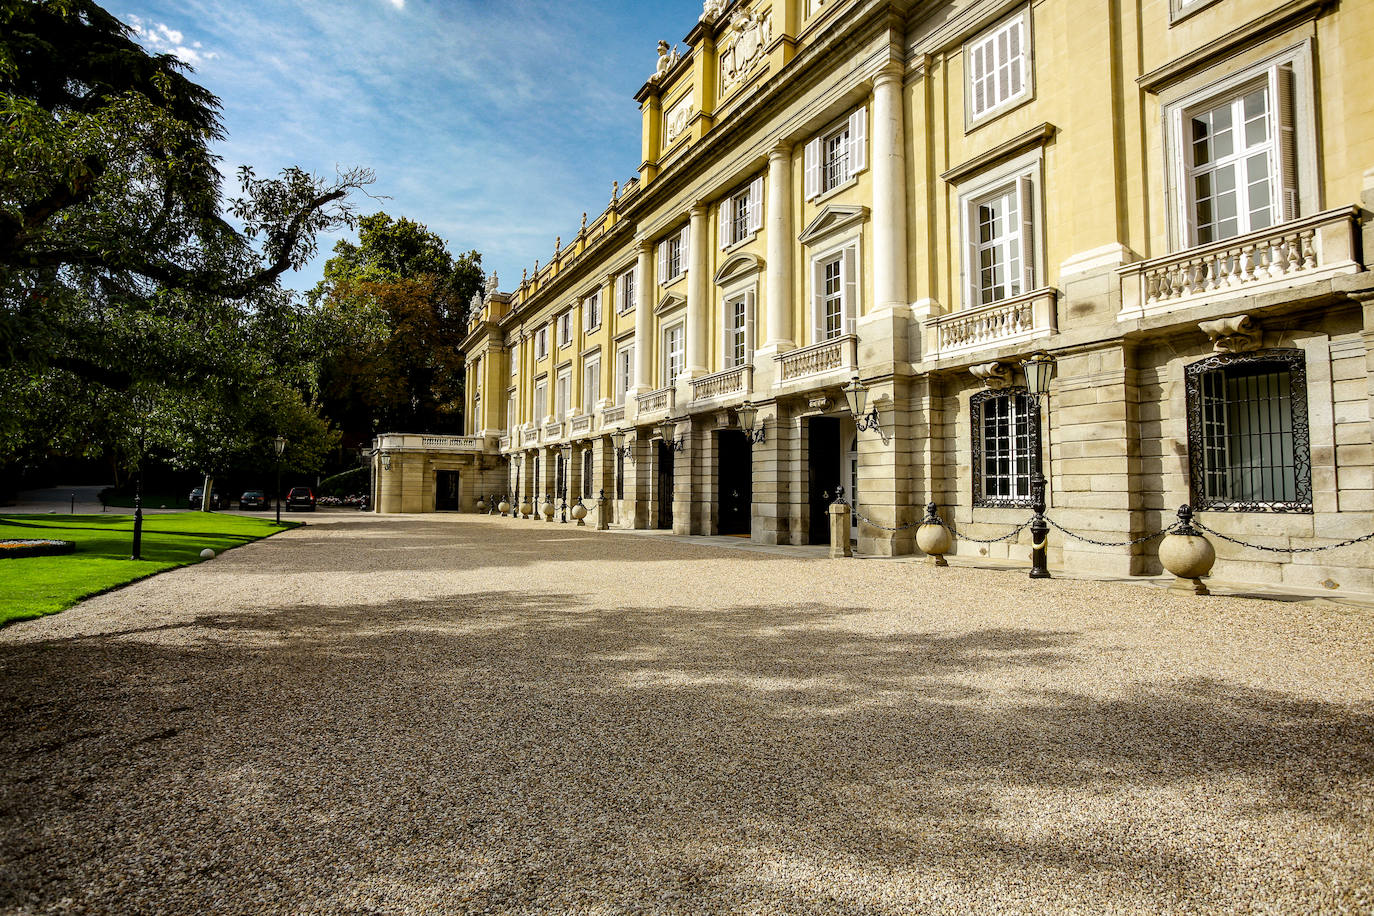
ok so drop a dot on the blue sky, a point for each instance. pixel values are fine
(494, 123)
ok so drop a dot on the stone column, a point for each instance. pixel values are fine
(889, 191)
(778, 223)
(644, 319)
(698, 291)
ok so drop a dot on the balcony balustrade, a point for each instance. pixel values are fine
(655, 402)
(581, 424)
(529, 436)
(837, 355)
(1291, 254)
(613, 415)
(996, 324)
(738, 380)
(553, 430)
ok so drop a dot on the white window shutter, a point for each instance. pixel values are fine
(756, 204)
(749, 327)
(813, 168)
(849, 282)
(663, 261)
(858, 141)
(1026, 192)
(725, 207)
(817, 300)
(1285, 147)
(977, 76)
(1178, 174)
(683, 252)
(1018, 56)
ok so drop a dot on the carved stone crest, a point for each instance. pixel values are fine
(711, 9)
(752, 31)
(1237, 334)
(994, 376)
(677, 119)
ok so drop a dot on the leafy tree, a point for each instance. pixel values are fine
(120, 269)
(400, 275)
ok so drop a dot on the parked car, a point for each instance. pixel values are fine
(302, 498)
(217, 500)
(253, 499)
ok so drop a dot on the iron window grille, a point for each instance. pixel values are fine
(835, 161)
(1006, 447)
(619, 474)
(587, 470)
(1249, 444)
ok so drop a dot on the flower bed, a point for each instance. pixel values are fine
(14, 548)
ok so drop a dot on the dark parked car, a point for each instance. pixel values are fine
(217, 500)
(302, 498)
(253, 499)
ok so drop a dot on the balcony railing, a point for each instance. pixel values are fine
(826, 356)
(613, 415)
(582, 424)
(553, 430)
(529, 436)
(660, 401)
(1291, 254)
(404, 441)
(993, 325)
(504, 443)
(723, 384)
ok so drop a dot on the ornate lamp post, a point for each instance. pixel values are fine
(748, 414)
(280, 444)
(1038, 368)
(856, 394)
(621, 449)
(667, 428)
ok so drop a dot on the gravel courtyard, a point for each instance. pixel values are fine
(471, 714)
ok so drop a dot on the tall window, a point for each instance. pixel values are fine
(624, 372)
(1248, 444)
(672, 257)
(588, 460)
(619, 475)
(1006, 447)
(541, 343)
(736, 331)
(591, 312)
(673, 354)
(998, 67)
(834, 293)
(591, 384)
(563, 395)
(541, 401)
(626, 283)
(1000, 218)
(832, 298)
(565, 328)
(834, 157)
(510, 412)
(741, 215)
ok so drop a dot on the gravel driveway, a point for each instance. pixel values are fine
(464, 714)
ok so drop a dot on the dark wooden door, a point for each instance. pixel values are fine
(446, 491)
(665, 486)
(734, 482)
(823, 473)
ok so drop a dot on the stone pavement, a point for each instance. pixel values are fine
(458, 714)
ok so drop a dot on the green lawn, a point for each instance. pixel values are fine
(34, 586)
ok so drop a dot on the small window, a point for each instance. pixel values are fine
(998, 67)
(1248, 444)
(741, 215)
(627, 291)
(672, 257)
(837, 155)
(1006, 447)
(591, 312)
(673, 354)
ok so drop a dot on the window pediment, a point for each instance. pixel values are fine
(669, 302)
(738, 266)
(831, 220)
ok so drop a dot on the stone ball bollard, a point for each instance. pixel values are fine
(579, 512)
(1187, 554)
(504, 507)
(548, 510)
(481, 504)
(207, 554)
(839, 531)
(526, 509)
(932, 538)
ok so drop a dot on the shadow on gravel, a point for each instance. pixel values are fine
(520, 752)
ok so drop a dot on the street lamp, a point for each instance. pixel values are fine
(280, 444)
(667, 428)
(1038, 368)
(621, 449)
(856, 393)
(747, 414)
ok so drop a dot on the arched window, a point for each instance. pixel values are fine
(1248, 444)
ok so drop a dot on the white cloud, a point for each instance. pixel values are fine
(159, 38)
(399, 4)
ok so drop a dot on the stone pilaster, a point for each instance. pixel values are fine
(889, 492)
(698, 292)
(644, 319)
(778, 224)
(889, 191)
(773, 483)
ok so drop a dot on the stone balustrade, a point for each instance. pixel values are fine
(613, 415)
(581, 424)
(529, 436)
(504, 443)
(660, 401)
(738, 380)
(553, 430)
(996, 324)
(1291, 254)
(841, 353)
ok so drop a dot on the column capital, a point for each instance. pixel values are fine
(697, 209)
(780, 150)
(894, 71)
(644, 245)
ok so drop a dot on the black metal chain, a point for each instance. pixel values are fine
(1087, 540)
(1213, 531)
(935, 516)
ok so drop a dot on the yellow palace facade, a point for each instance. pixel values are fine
(897, 203)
